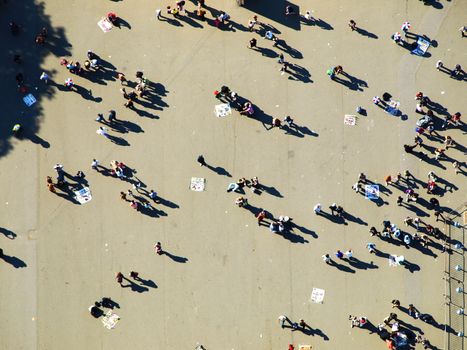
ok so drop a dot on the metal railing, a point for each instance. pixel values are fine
(455, 280)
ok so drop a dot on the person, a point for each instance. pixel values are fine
(395, 303)
(371, 248)
(50, 184)
(241, 202)
(289, 10)
(119, 278)
(121, 77)
(463, 30)
(339, 254)
(247, 109)
(252, 23)
(352, 25)
(112, 17)
(95, 310)
(201, 13)
(158, 248)
(69, 83)
(201, 161)
(457, 71)
(289, 121)
(134, 275)
(280, 60)
(100, 118)
(387, 180)
(260, 217)
(326, 258)
(317, 209)
(276, 122)
(303, 324)
(349, 254)
(17, 129)
(252, 43)
(44, 77)
(282, 320)
(373, 231)
(134, 205)
(102, 131)
(397, 38)
(405, 28)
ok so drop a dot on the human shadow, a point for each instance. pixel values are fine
(37, 140)
(366, 33)
(134, 286)
(171, 21)
(341, 267)
(178, 259)
(8, 233)
(86, 94)
(283, 46)
(315, 331)
(118, 140)
(109, 303)
(303, 230)
(334, 218)
(299, 131)
(299, 73)
(270, 190)
(267, 52)
(146, 282)
(125, 126)
(362, 265)
(275, 11)
(434, 3)
(190, 21)
(352, 218)
(13, 260)
(219, 170)
(352, 83)
(323, 24)
(412, 267)
(120, 22)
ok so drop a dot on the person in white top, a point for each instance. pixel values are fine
(349, 254)
(317, 209)
(102, 131)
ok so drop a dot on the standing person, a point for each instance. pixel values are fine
(282, 320)
(317, 209)
(326, 258)
(95, 165)
(252, 23)
(352, 25)
(252, 44)
(371, 248)
(44, 77)
(134, 275)
(280, 60)
(399, 200)
(289, 121)
(102, 131)
(201, 161)
(123, 196)
(50, 184)
(260, 217)
(387, 180)
(112, 115)
(158, 248)
(339, 254)
(396, 303)
(303, 324)
(119, 278)
(405, 28)
(100, 118)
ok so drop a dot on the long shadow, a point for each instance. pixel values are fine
(364, 32)
(36, 139)
(118, 140)
(190, 21)
(341, 267)
(434, 3)
(334, 218)
(267, 52)
(135, 287)
(178, 259)
(352, 218)
(294, 53)
(270, 190)
(171, 21)
(275, 11)
(120, 22)
(125, 126)
(303, 230)
(147, 282)
(299, 131)
(86, 94)
(219, 170)
(13, 260)
(362, 265)
(297, 72)
(292, 237)
(412, 267)
(8, 233)
(323, 24)
(315, 331)
(31, 16)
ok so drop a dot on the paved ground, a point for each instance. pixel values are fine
(228, 279)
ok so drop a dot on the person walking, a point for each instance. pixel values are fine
(339, 254)
(102, 131)
(112, 116)
(371, 248)
(317, 209)
(95, 165)
(50, 184)
(303, 324)
(158, 248)
(252, 44)
(134, 275)
(260, 217)
(201, 161)
(119, 278)
(44, 77)
(326, 259)
(399, 200)
(282, 320)
(349, 254)
(352, 25)
(395, 303)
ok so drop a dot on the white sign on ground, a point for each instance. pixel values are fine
(110, 320)
(197, 184)
(83, 195)
(105, 25)
(29, 100)
(350, 119)
(222, 110)
(317, 295)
